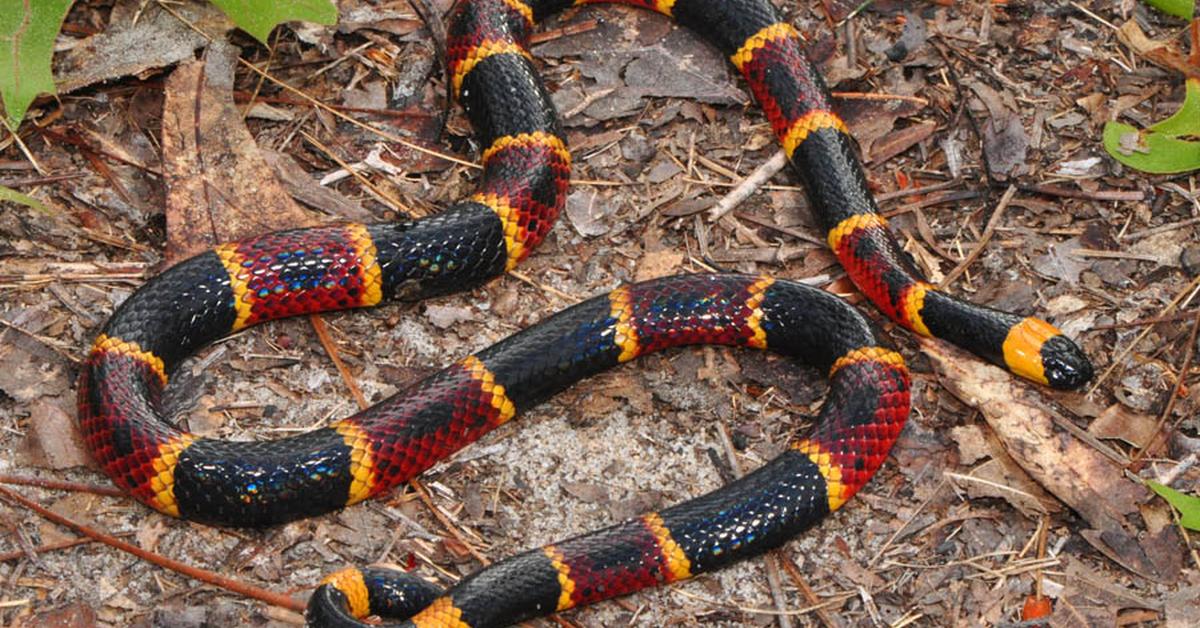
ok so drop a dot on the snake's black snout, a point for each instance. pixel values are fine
(1066, 366)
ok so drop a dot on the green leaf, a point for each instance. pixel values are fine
(9, 194)
(1187, 505)
(1186, 121)
(1168, 147)
(258, 17)
(1178, 8)
(27, 32)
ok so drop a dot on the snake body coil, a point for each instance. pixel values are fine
(522, 190)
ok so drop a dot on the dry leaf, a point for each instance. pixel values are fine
(219, 186)
(1070, 469)
(139, 37)
(655, 264)
(1120, 422)
(53, 440)
(1162, 53)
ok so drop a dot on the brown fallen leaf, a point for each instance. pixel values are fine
(999, 477)
(139, 37)
(1164, 53)
(1094, 599)
(872, 121)
(656, 264)
(1074, 472)
(53, 441)
(219, 186)
(897, 142)
(1119, 422)
(73, 615)
(305, 189)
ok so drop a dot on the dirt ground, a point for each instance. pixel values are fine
(978, 122)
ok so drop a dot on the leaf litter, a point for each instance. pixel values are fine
(938, 536)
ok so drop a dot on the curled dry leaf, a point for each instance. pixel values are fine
(1164, 53)
(219, 186)
(1070, 469)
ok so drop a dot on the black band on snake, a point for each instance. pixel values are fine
(522, 190)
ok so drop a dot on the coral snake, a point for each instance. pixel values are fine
(521, 191)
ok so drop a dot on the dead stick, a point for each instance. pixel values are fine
(446, 523)
(48, 547)
(811, 596)
(1148, 321)
(987, 235)
(61, 485)
(396, 203)
(203, 575)
(873, 96)
(318, 325)
(1138, 235)
(795, 233)
(930, 201)
(933, 187)
(748, 186)
(1099, 195)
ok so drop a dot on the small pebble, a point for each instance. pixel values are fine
(1190, 260)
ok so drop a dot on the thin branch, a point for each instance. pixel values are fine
(203, 575)
(987, 235)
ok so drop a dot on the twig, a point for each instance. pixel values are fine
(1041, 554)
(53, 178)
(987, 235)
(259, 83)
(391, 200)
(795, 233)
(879, 96)
(930, 201)
(446, 523)
(1141, 257)
(1098, 195)
(801, 583)
(61, 485)
(1117, 359)
(1138, 235)
(913, 517)
(520, 276)
(318, 325)
(47, 342)
(244, 96)
(1148, 321)
(1188, 353)
(1178, 469)
(556, 33)
(748, 186)
(203, 575)
(25, 150)
(1088, 13)
(48, 547)
(837, 599)
(933, 187)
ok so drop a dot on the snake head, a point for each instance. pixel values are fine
(1038, 351)
(1065, 365)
